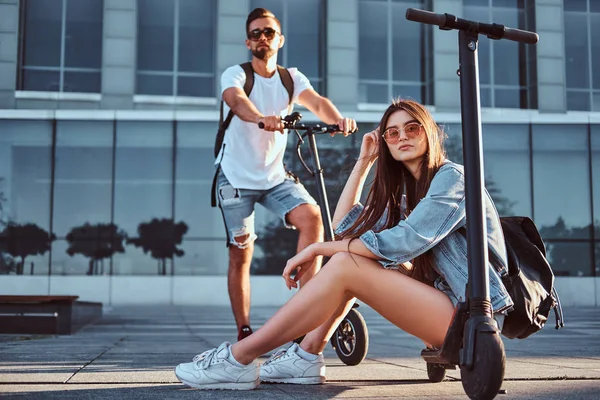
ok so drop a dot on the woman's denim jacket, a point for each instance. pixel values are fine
(433, 225)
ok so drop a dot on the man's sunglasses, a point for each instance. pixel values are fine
(412, 130)
(255, 34)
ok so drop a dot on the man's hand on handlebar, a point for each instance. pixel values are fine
(271, 123)
(347, 126)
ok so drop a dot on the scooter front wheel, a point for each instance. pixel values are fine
(484, 379)
(351, 338)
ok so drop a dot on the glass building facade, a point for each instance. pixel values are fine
(110, 113)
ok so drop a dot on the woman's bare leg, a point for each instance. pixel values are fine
(416, 308)
(316, 340)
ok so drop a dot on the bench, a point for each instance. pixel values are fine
(46, 315)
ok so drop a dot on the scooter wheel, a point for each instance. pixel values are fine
(483, 381)
(436, 372)
(351, 339)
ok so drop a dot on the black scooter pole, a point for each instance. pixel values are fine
(480, 307)
(320, 183)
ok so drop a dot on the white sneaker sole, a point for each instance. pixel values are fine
(311, 380)
(221, 385)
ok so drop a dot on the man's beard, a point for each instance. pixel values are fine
(263, 53)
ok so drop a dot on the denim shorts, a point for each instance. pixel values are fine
(237, 205)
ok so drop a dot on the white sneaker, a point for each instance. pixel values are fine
(286, 366)
(213, 370)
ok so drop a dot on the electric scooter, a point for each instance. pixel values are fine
(351, 338)
(473, 340)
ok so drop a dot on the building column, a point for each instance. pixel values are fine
(119, 39)
(231, 37)
(341, 53)
(446, 83)
(9, 54)
(551, 75)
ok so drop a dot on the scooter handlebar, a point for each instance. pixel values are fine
(315, 128)
(448, 21)
(426, 17)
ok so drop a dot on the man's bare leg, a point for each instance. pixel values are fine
(238, 280)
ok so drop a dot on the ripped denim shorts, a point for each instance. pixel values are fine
(237, 206)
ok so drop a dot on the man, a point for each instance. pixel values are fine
(250, 161)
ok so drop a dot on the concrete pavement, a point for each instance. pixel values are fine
(131, 352)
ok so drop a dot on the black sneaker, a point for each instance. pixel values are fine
(244, 332)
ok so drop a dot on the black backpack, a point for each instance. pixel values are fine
(530, 280)
(288, 83)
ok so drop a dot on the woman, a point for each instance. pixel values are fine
(402, 254)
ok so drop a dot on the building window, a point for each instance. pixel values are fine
(301, 25)
(582, 54)
(61, 45)
(395, 55)
(176, 48)
(507, 69)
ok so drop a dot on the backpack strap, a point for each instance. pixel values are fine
(287, 81)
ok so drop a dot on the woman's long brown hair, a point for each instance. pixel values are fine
(393, 179)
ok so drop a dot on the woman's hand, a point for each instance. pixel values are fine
(370, 145)
(300, 263)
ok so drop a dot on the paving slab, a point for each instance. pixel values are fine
(131, 352)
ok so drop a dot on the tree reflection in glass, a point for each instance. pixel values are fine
(96, 242)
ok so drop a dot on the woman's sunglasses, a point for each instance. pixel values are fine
(255, 34)
(412, 130)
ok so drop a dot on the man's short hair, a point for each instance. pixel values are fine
(260, 13)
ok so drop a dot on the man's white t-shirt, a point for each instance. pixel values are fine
(252, 158)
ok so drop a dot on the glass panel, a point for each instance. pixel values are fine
(453, 143)
(155, 84)
(195, 171)
(372, 43)
(578, 101)
(156, 19)
(561, 180)
(595, 146)
(46, 81)
(507, 98)
(196, 47)
(485, 96)
(485, 45)
(597, 256)
(507, 168)
(302, 36)
(194, 86)
(203, 258)
(83, 37)
(25, 165)
(576, 51)
(596, 101)
(507, 64)
(508, 4)
(406, 64)
(594, 6)
(569, 259)
(83, 82)
(143, 188)
(408, 92)
(595, 50)
(43, 19)
(373, 93)
(83, 174)
(576, 5)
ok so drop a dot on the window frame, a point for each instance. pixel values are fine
(527, 87)
(61, 69)
(175, 74)
(590, 89)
